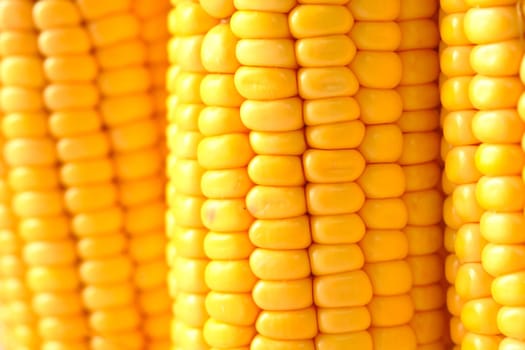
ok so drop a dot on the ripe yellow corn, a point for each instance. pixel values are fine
(15, 299)
(458, 141)
(273, 114)
(489, 187)
(129, 58)
(71, 70)
(188, 22)
(500, 192)
(224, 154)
(48, 249)
(307, 204)
(419, 123)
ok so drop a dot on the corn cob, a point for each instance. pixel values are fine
(419, 123)
(463, 97)
(506, 230)
(49, 249)
(87, 172)
(125, 107)
(147, 248)
(189, 22)
(280, 233)
(379, 71)
(225, 184)
(138, 154)
(454, 63)
(496, 91)
(15, 297)
(326, 84)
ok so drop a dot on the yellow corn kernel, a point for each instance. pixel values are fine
(127, 53)
(278, 53)
(265, 202)
(325, 51)
(382, 143)
(375, 10)
(317, 83)
(472, 281)
(418, 34)
(49, 253)
(226, 215)
(117, 269)
(384, 245)
(267, 116)
(224, 335)
(114, 321)
(219, 90)
(237, 309)
(335, 320)
(379, 106)
(229, 183)
(389, 311)
(227, 246)
(505, 58)
(268, 234)
(469, 243)
(271, 324)
(384, 338)
(388, 213)
(504, 193)
(286, 295)
(380, 70)
(460, 165)
(508, 289)
(494, 92)
(101, 247)
(219, 9)
(455, 61)
(500, 260)
(488, 25)
(276, 170)
(51, 304)
(22, 71)
(479, 316)
(338, 136)
(249, 24)
(272, 264)
(342, 341)
(319, 20)
(52, 279)
(98, 297)
(499, 160)
(421, 176)
(382, 181)
(233, 276)
(334, 199)
(376, 36)
(327, 260)
(330, 110)
(342, 290)
(502, 126)
(19, 99)
(318, 165)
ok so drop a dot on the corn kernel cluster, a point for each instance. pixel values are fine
(262, 174)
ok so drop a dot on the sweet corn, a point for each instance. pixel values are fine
(419, 161)
(277, 199)
(38, 202)
(224, 155)
(337, 172)
(77, 145)
(188, 23)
